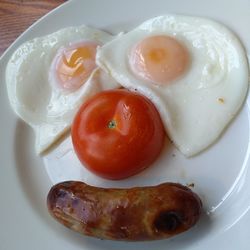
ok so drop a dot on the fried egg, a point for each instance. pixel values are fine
(48, 78)
(193, 69)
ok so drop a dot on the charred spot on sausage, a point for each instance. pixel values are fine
(167, 221)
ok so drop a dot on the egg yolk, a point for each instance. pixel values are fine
(74, 64)
(159, 59)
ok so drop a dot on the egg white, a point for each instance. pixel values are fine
(49, 110)
(198, 106)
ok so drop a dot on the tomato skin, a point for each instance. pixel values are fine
(117, 134)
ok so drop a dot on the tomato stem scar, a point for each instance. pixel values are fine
(112, 124)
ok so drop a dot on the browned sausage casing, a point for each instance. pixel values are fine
(140, 213)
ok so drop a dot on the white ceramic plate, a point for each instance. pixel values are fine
(221, 174)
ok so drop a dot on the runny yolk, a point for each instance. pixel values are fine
(159, 59)
(75, 64)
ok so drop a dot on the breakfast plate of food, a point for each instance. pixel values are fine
(126, 125)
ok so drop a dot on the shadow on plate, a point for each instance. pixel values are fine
(30, 170)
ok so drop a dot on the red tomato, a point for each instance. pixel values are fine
(117, 133)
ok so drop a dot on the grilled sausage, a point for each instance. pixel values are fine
(140, 213)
